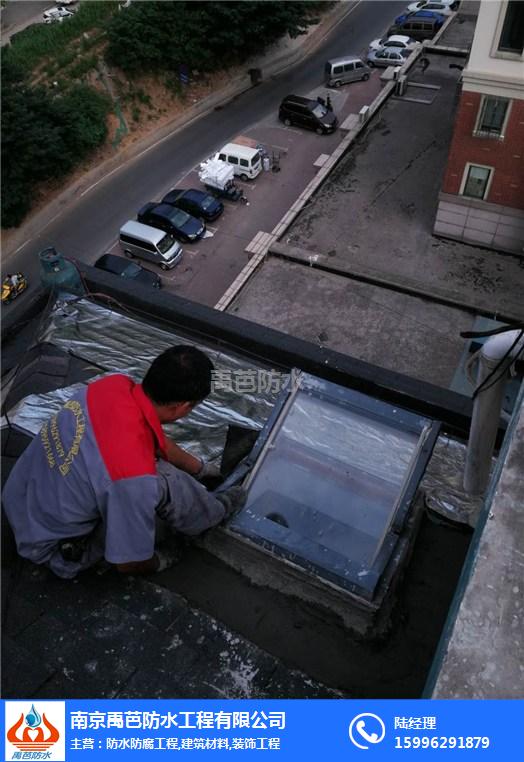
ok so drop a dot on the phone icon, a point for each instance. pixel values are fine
(369, 737)
(366, 729)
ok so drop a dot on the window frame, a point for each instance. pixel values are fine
(496, 52)
(487, 133)
(465, 177)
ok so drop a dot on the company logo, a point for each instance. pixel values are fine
(35, 731)
(366, 729)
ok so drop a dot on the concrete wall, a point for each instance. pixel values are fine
(488, 67)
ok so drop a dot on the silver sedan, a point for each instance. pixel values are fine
(388, 57)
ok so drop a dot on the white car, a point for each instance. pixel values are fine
(442, 7)
(57, 14)
(394, 41)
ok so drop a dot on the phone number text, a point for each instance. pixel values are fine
(441, 742)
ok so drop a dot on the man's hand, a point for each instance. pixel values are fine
(233, 499)
(208, 471)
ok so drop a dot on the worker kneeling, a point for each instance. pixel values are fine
(101, 474)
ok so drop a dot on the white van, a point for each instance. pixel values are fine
(145, 242)
(246, 161)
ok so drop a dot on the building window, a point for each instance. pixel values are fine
(512, 36)
(476, 181)
(492, 117)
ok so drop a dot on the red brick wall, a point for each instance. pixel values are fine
(505, 156)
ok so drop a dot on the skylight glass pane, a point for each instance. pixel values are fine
(333, 476)
(329, 482)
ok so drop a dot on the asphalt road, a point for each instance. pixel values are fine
(18, 14)
(89, 227)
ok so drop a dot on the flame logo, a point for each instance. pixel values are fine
(32, 738)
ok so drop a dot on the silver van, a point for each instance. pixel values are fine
(145, 242)
(339, 71)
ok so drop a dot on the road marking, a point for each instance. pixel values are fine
(17, 250)
(289, 129)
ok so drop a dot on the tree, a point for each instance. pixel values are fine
(159, 36)
(43, 136)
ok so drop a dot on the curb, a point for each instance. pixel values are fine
(240, 84)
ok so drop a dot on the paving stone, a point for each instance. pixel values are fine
(62, 598)
(228, 664)
(17, 611)
(104, 647)
(71, 684)
(156, 683)
(150, 602)
(22, 673)
(292, 684)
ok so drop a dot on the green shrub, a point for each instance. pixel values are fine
(83, 67)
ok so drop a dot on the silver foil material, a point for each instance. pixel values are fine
(244, 393)
(442, 483)
(244, 390)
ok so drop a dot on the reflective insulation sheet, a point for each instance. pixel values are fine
(244, 390)
(333, 483)
(442, 483)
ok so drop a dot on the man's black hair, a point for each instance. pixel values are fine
(180, 374)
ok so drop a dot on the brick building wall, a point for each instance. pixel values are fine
(505, 156)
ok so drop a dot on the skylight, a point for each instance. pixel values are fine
(333, 479)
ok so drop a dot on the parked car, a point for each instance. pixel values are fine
(151, 244)
(195, 202)
(418, 27)
(438, 18)
(129, 270)
(444, 7)
(166, 217)
(308, 113)
(340, 71)
(393, 41)
(57, 14)
(388, 56)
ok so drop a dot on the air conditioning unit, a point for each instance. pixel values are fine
(363, 114)
(402, 84)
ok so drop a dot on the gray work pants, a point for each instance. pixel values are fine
(185, 506)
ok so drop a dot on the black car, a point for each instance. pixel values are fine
(308, 113)
(195, 202)
(130, 270)
(166, 217)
